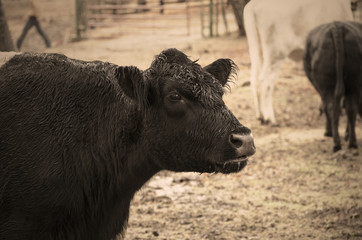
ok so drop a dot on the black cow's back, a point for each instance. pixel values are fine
(320, 51)
(57, 118)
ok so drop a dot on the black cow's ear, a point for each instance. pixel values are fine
(131, 80)
(222, 69)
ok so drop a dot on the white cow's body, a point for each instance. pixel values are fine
(277, 29)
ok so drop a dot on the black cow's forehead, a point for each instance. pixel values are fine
(174, 63)
(190, 77)
(173, 69)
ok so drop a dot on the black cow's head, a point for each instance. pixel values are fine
(187, 126)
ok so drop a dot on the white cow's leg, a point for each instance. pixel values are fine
(254, 84)
(255, 53)
(267, 78)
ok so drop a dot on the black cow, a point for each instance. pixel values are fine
(78, 139)
(333, 63)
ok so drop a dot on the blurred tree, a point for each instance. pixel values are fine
(6, 42)
(238, 9)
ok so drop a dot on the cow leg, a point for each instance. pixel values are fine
(255, 89)
(267, 78)
(346, 135)
(256, 63)
(328, 132)
(323, 109)
(332, 112)
(351, 109)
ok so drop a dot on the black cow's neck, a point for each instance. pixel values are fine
(139, 169)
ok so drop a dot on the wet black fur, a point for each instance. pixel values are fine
(78, 139)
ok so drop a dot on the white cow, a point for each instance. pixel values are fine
(277, 29)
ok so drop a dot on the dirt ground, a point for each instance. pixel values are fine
(294, 187)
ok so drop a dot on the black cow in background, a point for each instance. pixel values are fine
(333, 63)
(78, 139)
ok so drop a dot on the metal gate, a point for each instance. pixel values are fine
(140, 16)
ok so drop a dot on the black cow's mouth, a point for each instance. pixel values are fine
(231, 165)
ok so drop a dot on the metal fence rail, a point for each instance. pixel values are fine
(133, 17)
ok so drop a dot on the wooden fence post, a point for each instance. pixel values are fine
(81, 19)
(211, 15)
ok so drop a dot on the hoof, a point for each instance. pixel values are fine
(337, 148)
(264, 122)
(328, 134)
(352, 146)
(268, 122)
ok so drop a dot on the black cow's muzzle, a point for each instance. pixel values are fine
(243, 146)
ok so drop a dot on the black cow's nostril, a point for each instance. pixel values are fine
(236, 140)
(243, 144)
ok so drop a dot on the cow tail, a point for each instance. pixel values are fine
(337, 36)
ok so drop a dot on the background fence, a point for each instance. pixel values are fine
(65, 20)
(171, 15)
(140, 17)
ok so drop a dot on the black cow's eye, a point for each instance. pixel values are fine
(175, 104)
(175, 96)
